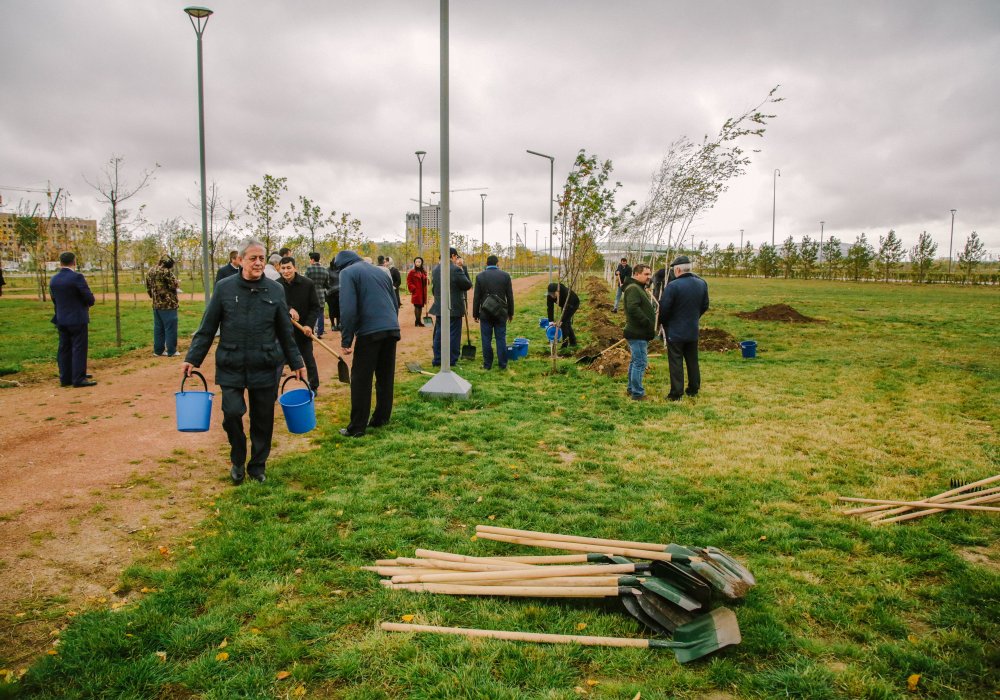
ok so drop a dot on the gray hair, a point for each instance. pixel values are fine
(247, 244)
(275, 259)
(685, 268)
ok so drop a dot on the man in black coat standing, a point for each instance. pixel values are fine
(568, 302)
(72, 298)
(250, 313)
(493, 307)
(682, 305)
(304, 308)
(460, 284)
(229, 269)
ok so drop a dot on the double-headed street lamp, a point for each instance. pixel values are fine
(482, 230)
(420, 204)
(774, 203)
(552, 165)
(510, 243)
(199, 20)
(952, 239)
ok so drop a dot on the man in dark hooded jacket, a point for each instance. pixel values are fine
(250, 313)
(682, 305)
(369, 321)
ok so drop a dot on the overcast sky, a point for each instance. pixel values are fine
(889, 119)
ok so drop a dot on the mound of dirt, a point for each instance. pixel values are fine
(716, 340)
(613, 363)
(777, 312)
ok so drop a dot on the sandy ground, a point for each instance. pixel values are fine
(95, 479)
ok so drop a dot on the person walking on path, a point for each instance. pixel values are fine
(303, 307)
(682, 305)
(623, 273)
(568, 302)
(161, 286)
(460, 284)
(370, 322)
(229, 269)
(72, 299)
(416, 282)
(251, 315)
(320, 277)
(640, 318)
(493, 307)
(397, 281)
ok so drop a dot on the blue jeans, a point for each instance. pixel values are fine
(165, 331)
(487, 331)
(637, 366)
(318, 328)
(618, 296)
(456, 340)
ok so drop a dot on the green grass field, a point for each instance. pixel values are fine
(893, 396)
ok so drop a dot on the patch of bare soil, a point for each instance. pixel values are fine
(983, 556)
(716, 340)
(777, 312)
(95, 479)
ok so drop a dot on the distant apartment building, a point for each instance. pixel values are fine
(431, 222)
(59, 234)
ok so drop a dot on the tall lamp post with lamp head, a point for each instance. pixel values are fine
(199, 20)
(774, 203)
(552, 165)
(952, 239)
(482, 230)
(420, 203)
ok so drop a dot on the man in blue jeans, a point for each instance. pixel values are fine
(161, 286)
(639, 327)
(460, 283)
(623, 273)
(493, 307)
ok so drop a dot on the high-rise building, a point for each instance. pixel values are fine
(59, 234)
(431, 222)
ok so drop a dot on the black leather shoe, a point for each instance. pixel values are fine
(346, 433)
(88, 382)
(237, 474)
(65, 384)
(259, 478)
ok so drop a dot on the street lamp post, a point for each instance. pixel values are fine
(199, 20)
(552, 165)
(510, 243)
(482, 224)
(420, 203)
(952, 239)
(821, 240)
(774, 202)
(741, 239)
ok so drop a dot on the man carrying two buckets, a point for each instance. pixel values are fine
(250, 312)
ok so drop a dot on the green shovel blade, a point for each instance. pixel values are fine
(706, 634)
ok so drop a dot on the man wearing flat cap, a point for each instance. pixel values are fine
(682, 304)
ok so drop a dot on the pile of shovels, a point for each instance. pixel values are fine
(670, 593)
(966, 497)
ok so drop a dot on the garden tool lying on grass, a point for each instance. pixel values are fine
(719, 569)
(590, 359)
(691, 641)
(343, 371)
(417, 369)
(468, 350)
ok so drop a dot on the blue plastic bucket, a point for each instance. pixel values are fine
(299, 408)
(194, 408)
(543, 322)
(749, 348)
(553, 333)
(520, 347)
(513, 352)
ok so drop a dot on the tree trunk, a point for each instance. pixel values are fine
(114, 272)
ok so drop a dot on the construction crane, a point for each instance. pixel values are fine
(465, 189)
(47, 192)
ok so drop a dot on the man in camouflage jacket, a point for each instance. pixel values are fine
(162, 287)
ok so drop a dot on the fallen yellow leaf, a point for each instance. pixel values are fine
(473, 538)
(52, 652)
(254, 630)
(592, 683)
(911, 682)
(581, 626)
(224, 643)
(298, 572)
(161, 655)
(221, 656)
(299, 691)
(491, 517)
(763, 537)
(407, 618)
(912, 638)
(282, 675)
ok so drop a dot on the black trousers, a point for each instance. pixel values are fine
(305, 346)
(569, 337)
(680, 353)
(234, 406)
(72, 354)
(333, 303)
(372, 358)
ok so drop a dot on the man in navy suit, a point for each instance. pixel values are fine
(72, 299)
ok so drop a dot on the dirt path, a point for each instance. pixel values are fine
(94, 479)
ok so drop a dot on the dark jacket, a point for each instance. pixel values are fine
(367, 299)
(569, 307)
(683, 302)
(460, 283)
(225, 271)
(493, 281)
(334, 287)
(640, 317)
(72, 298)
(252, 318)
(624, 273)
(300, 294)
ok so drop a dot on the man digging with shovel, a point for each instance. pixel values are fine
(639, 321)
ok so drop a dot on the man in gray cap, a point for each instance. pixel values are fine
(682, 304)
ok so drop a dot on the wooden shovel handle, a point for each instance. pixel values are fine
(512, 591)
(519, 574)
(317, 340)
(537, 637)
(577, 547)
(921, 504)
(442, 565)
(556, 537)
(930, 511)
(956, 492)
(448, 556)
